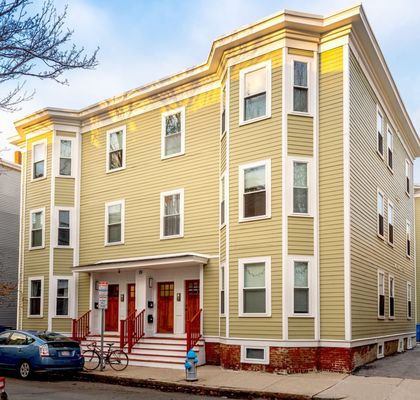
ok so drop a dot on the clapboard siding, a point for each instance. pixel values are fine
(301, 328)
(417, 231)
(300, 235)
(300, 137)
(62, 325)
(368, 172)
(64, 192)
(63, 261)
(211, 299)
(83, 294)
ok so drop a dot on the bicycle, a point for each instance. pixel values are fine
(117, 359)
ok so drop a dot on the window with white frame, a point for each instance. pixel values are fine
(300, 188)
(380, 212)
(391, 297)
(408, 238)
(222, 200)
(63, 228)
(35, 297)
(62, 297)
(114, 221)
(116, 149)
(37, 228)
(390, 223)
(39, 156)
(254, 286)
(172, 214)
(380, 350)
(300, 86)
(255, 190)
(255, 92)
(380, 135)
(301, 287)
(223, 113)
(407, 177)
(222, 290)
(65, 166)
(381, 294)
(409, 305)
(173, 133)
(390, 146)
(254, 355)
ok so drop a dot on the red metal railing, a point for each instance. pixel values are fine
(131, 329)
(193, 330)
(81, 327)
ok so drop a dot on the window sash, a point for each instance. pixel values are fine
(35, 298)
(65, 157)
(254, 196)
(254, 290)
(114, 223)
(62, 298)
(37, 229)
(300, 188)
(408, 239)
(222, 290)
(300, 87)
(380, 138)
(380, 211)
(63, 238)
(115, 149)
(381, 294)
(391, 297)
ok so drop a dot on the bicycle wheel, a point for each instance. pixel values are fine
(92, 360)
(118, 360)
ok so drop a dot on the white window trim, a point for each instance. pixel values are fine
(163, 133)
(224, 87)
(56, 226)
(408, 174)
(70, 298)
(379, 191)
(266, 359)
(380, 345)
(380, 272)
(409, 298)
(30, 279)
(242, 168)
(389, 295)
(242, 73)
(400, 345)
(388, 147)
(108, 134)
(241, 263)
(390, 204)
(181, 213)
(408, 230)
(291, 58)
(45, 143)
(57, 148)
(222, 265)
(33, 211)
(378, 111)
(107, 205)
(222, 177)
(311, 175)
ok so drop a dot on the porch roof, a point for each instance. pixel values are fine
(152, 262)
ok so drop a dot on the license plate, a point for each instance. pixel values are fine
(65, 354)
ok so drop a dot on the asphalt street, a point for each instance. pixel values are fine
(56, 389)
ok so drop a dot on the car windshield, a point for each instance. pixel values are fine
(52, 337)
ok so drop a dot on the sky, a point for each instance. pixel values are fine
(144, 40)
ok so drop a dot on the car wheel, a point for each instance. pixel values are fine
(24, 370)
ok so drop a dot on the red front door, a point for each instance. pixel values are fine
(165, 311)
(131, 298)
(111, 313)
(192, 299)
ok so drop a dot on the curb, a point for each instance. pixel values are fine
(196, 389)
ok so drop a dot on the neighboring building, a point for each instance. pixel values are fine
(9, 241)
(417, 250)
(270, 187)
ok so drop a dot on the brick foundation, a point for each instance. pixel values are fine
(298, 359)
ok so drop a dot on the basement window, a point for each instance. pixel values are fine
(380, 350)
(254, 355)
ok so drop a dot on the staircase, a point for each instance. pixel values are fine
(162, 351)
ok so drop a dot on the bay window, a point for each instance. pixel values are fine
(35, 298)
(65, 167)
(37, 231)
(300, 86)
(62, 297)
(39, 156)
(301, 287)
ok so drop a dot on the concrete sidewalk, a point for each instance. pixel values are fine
(247, 384)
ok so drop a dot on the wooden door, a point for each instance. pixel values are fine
(165, 311)
(112, 312)
(131, 298)
(192, 299)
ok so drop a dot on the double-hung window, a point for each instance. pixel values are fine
(408, 238)
(37, 235)
(172, 214)
(116, 149)
(222, 289)
(300, 188)
(35, 298)
(173, 133)
(409, 304)
(300, 86)
(407, 177)
(391, 297)
(114, 222)
(255, 92)
(62, 298)
(255, 190)
(222, 200)
(301, 287)
(390, 146)
(380, 135)
(64, 222)
(65, 157)
(39, 156)
(255, 286)
(380, 212)
(390, 223)
(381, 294)
(223, 113)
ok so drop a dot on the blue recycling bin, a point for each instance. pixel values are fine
(418, 333)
